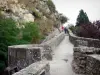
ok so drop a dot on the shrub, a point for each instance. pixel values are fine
(86, 28)
(31, 32)
(3, 62)
(89, 30)
(97, 24)
(63, 19)
(8, 33)
(9, 36)
(71, 27)
(74, 29)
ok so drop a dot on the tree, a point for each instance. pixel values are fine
(82, 18)
(71, 27)
(63, 19)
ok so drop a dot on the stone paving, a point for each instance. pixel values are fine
(62, 59)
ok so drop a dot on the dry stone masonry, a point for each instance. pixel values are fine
(23, 56)
(90, 42)
(38, 68)
(86, 55)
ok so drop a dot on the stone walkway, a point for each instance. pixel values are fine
(62, 58)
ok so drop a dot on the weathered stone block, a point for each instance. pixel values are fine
(86, 59)
(80, 43)
(24, 55)
(93, 65)
(90, 42)
(38, 68)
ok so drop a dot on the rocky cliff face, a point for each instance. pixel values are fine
(31, 10)
(15, 10)
(44, 12)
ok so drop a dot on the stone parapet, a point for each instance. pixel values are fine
(38, 68)
(93, 65)
(90, 41)
(86, 50)
(86, 55)
(24, 55)
(87, 64)
(86, 60)
(54, 42)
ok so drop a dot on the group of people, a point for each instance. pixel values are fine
(64, 29)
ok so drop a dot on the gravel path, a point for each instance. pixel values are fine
(62, 58)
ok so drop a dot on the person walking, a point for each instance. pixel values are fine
(65, 30)
(62, 28)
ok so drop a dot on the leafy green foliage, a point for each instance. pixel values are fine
(3, 59)
(74, 29)
(51, 5)
(82, 18)
(8, 33)
(63, 19)
(84, 28)
(9, 36)
(71, 27)
(31, 32)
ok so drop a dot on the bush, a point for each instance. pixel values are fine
(31, 33)
(90, 30)
(84, 28)
(74, 29)
(71, 27)
(8, 34)
(97, 24)
(63, 19)
(3, 59)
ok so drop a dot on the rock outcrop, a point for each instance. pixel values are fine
(32, 10)
(13, 9)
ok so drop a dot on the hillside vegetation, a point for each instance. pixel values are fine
(85, 28)
(25, 22)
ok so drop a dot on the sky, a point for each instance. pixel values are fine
(71, 8)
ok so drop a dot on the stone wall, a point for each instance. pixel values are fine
(90, 42)
(24, 55)
(38, 68)
(86, 55)
(93, 65)
(83, 61)
(50, 45)
(52, 35)
(54, 42)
